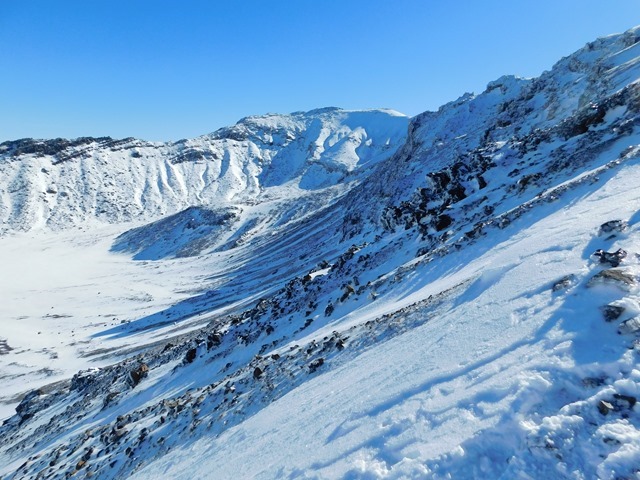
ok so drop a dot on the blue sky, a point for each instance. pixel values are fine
(165, 70)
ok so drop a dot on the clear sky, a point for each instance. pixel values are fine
(165, 70)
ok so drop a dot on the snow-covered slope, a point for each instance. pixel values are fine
(441, 316)
(56, 184)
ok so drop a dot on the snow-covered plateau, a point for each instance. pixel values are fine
(335, 294)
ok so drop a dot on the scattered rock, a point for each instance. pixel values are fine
(564, 283)
(614, 259)
(611, 312)
(613, 226)
(629, 326)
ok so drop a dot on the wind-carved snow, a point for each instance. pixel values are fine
(460, 301)
(57, 183)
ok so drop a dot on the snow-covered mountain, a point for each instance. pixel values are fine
(336, 294)
(60, 183)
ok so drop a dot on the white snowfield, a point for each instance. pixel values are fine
(335, 294)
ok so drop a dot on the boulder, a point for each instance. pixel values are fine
(30, 404)
(442, 222)
(564, 283)
(611, 312)
(313, 366)
(190, 355)
(84, 379)
(614, 259)
(329, 310)
(137, 374)
(613, 276)
(604, 407)
(612, 226)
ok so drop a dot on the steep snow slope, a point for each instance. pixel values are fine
(441, 317)
(438, 400)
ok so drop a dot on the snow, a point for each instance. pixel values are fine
(505, 344)
(61, 289)
(332, 295)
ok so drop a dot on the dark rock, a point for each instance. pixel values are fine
(440, 179)
(612, 226)
(313, 366)
(457, 193)
(191, 355)
(329, 310)
(109, 399)
(257, 373)
(137, 374)
(604, 407)
(213, 340)
(84, 379)
(4, 346)
(564, 283)
(30, 404)
(579, 123)
(612, 259)
(442, 222)
(611, 312)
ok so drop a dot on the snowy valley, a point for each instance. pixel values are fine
(335, 294)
